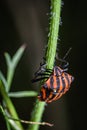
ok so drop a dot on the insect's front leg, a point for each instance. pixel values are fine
(41, 73)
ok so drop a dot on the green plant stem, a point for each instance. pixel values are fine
(22, 94)
(6, 119)
(53, 32)
(50, 56)
(36, 114)
(10, 106)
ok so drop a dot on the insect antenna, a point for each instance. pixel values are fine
(64, 64)
(67, 53)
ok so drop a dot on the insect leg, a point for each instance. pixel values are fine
(40, 76)
(38, 79)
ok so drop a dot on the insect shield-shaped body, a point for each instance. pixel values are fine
(56, 85)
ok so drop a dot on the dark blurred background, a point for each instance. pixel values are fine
(27, 21)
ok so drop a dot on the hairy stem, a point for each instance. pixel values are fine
(53, 32)
(50, 56)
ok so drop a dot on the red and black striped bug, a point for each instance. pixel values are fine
(58, 83)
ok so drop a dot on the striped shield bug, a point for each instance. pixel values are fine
(57, 82)
(55, 86)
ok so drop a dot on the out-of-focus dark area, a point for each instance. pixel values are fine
(27, 21)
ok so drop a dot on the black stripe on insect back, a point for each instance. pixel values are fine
(47, 93)
(58, 83)
(57, 71)
(45, 86)
(63, 83)
(51, 82)
(67, 78)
